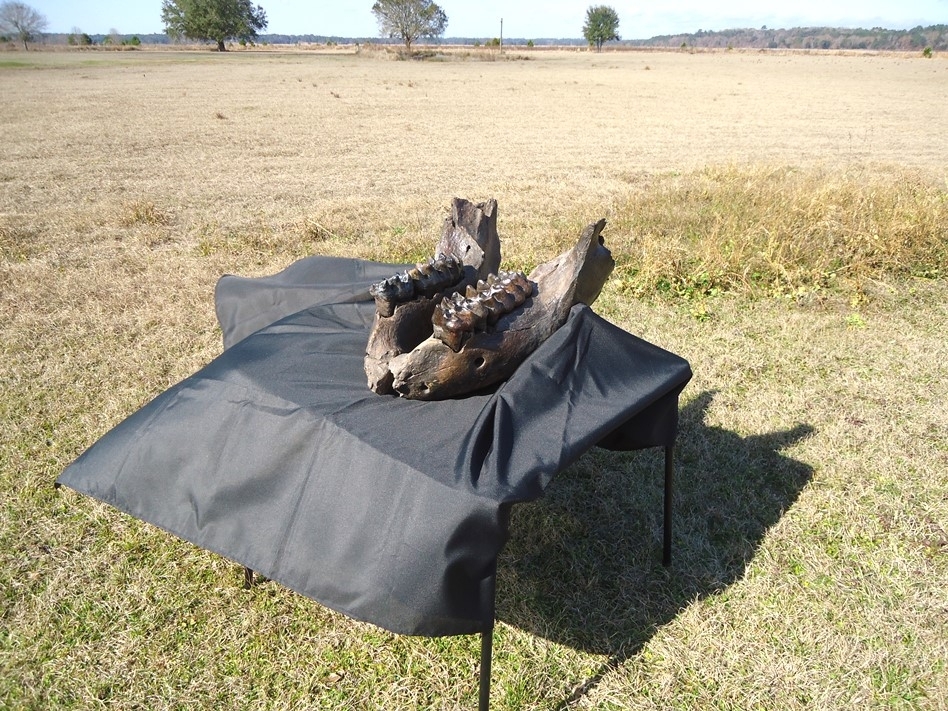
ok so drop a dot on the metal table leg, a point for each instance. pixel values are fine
(669, 495)
(488, 599)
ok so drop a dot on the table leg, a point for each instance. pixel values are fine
(488, 598)
(669, 495)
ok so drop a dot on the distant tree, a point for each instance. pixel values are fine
(410, 19)
(19, 20)
(213, 20)
(602, 25)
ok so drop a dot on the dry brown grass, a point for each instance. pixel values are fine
(811, 556)
(781, 231)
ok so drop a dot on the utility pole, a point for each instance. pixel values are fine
(501, 35)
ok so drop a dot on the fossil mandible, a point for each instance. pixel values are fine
(467, 352)
(405, 302)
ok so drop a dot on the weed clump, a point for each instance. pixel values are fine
(143, 212)
(775, 232)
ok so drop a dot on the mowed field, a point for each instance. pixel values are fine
(811, 545)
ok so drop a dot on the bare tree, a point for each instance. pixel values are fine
(410, 19)
(21, 21)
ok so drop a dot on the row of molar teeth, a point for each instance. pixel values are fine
(424, 279)
(436, 274)
(482, 305)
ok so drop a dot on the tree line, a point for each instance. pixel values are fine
(827, 38)
(407, 21)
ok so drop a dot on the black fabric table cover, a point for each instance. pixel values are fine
(277, 455)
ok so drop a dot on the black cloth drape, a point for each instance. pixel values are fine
(278, 456)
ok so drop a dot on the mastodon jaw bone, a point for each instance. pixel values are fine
(466, 358)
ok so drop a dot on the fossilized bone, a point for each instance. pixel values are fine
(470, 234)
(468, 250)
(468, 351)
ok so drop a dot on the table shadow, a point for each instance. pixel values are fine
(583, 565)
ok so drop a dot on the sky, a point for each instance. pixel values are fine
(521, 18)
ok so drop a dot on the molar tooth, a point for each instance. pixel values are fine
(493, 312)
(452, 339)
(479, 310)
(496, 293)
(464, 321)
(404, 287)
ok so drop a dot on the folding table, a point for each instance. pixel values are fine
(276, 455)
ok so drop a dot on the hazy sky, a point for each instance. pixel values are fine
(521, 18)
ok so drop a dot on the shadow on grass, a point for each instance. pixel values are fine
(583, 566)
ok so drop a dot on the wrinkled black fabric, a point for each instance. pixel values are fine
(245, 305)
(278, 456)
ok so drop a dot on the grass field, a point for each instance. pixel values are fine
(779, 220)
